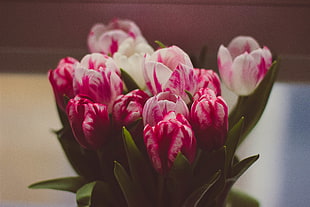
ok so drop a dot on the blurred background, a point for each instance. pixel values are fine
(36, 34)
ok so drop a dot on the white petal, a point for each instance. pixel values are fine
(244, 74)
(224, 60)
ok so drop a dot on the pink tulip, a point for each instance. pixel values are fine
(209, 118)
(169, 69)
(89, 122)
(243, 64)
(158, 106)
(128, 108)
(106, 39)
(61, 81)
(208, 79)
(166, 139)
(101, 84)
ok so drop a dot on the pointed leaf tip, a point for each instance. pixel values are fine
(70, 184)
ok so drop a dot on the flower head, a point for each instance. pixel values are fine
(106, 39)
(89, 122)
(167, 138)
(130, 57)
(128, 108)
(208, 79)
(243, 64)
(61, 80)
(209, 118)
(169, 69)
(98, 79)
(158, 106)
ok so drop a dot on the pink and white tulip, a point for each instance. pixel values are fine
(89, 122)
(208, 79)
(170, 69)
(61, 81)
(158, 106)
(209, 119)
(98, 81)
(166, 139)
(130, 57)
(106, 39)
(243, 64)
(128, 108)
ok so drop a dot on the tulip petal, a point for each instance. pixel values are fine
(225, 61)
(244, 76)
(96, 125)
(181, 80)
(155, 75)
(242, 44)
(94, 35)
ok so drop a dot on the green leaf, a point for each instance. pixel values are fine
(128, 188)
(209, 164)
(195, 197)
(97, 193)
(252, 107)
(232, 142)
(190, 96)
(84, 162)
(238, 198)
(70, 184)
(242, 166)
(129, 81)
(160, 44)
(179, 180)
(140, 170)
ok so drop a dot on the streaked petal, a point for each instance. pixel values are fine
(242, 44)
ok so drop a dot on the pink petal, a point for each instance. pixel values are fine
(242, 44)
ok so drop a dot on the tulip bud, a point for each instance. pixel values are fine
(209, 119)
(61, 81)
(166, 139)
(243, 64)
(101, 84)
(170, 69)
(158, 106)
(89, 122)
(128, 108)
(106, 39)
(208, 79)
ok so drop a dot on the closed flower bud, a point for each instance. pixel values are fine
(209, 119)
(128, 108)
(170, 69)
(106, 39)
(89, 122)
(61, 81)
(166, 139)
(158, 106)
(243, 64)
(208, 79)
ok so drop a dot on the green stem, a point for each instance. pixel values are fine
(101, 163)
(161, 186)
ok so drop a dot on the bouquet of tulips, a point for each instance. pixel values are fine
(145, 127)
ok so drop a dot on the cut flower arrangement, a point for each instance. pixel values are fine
(145, 127)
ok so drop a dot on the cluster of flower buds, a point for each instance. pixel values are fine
(180, 106)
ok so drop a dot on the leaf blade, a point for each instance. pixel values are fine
(69, 184)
